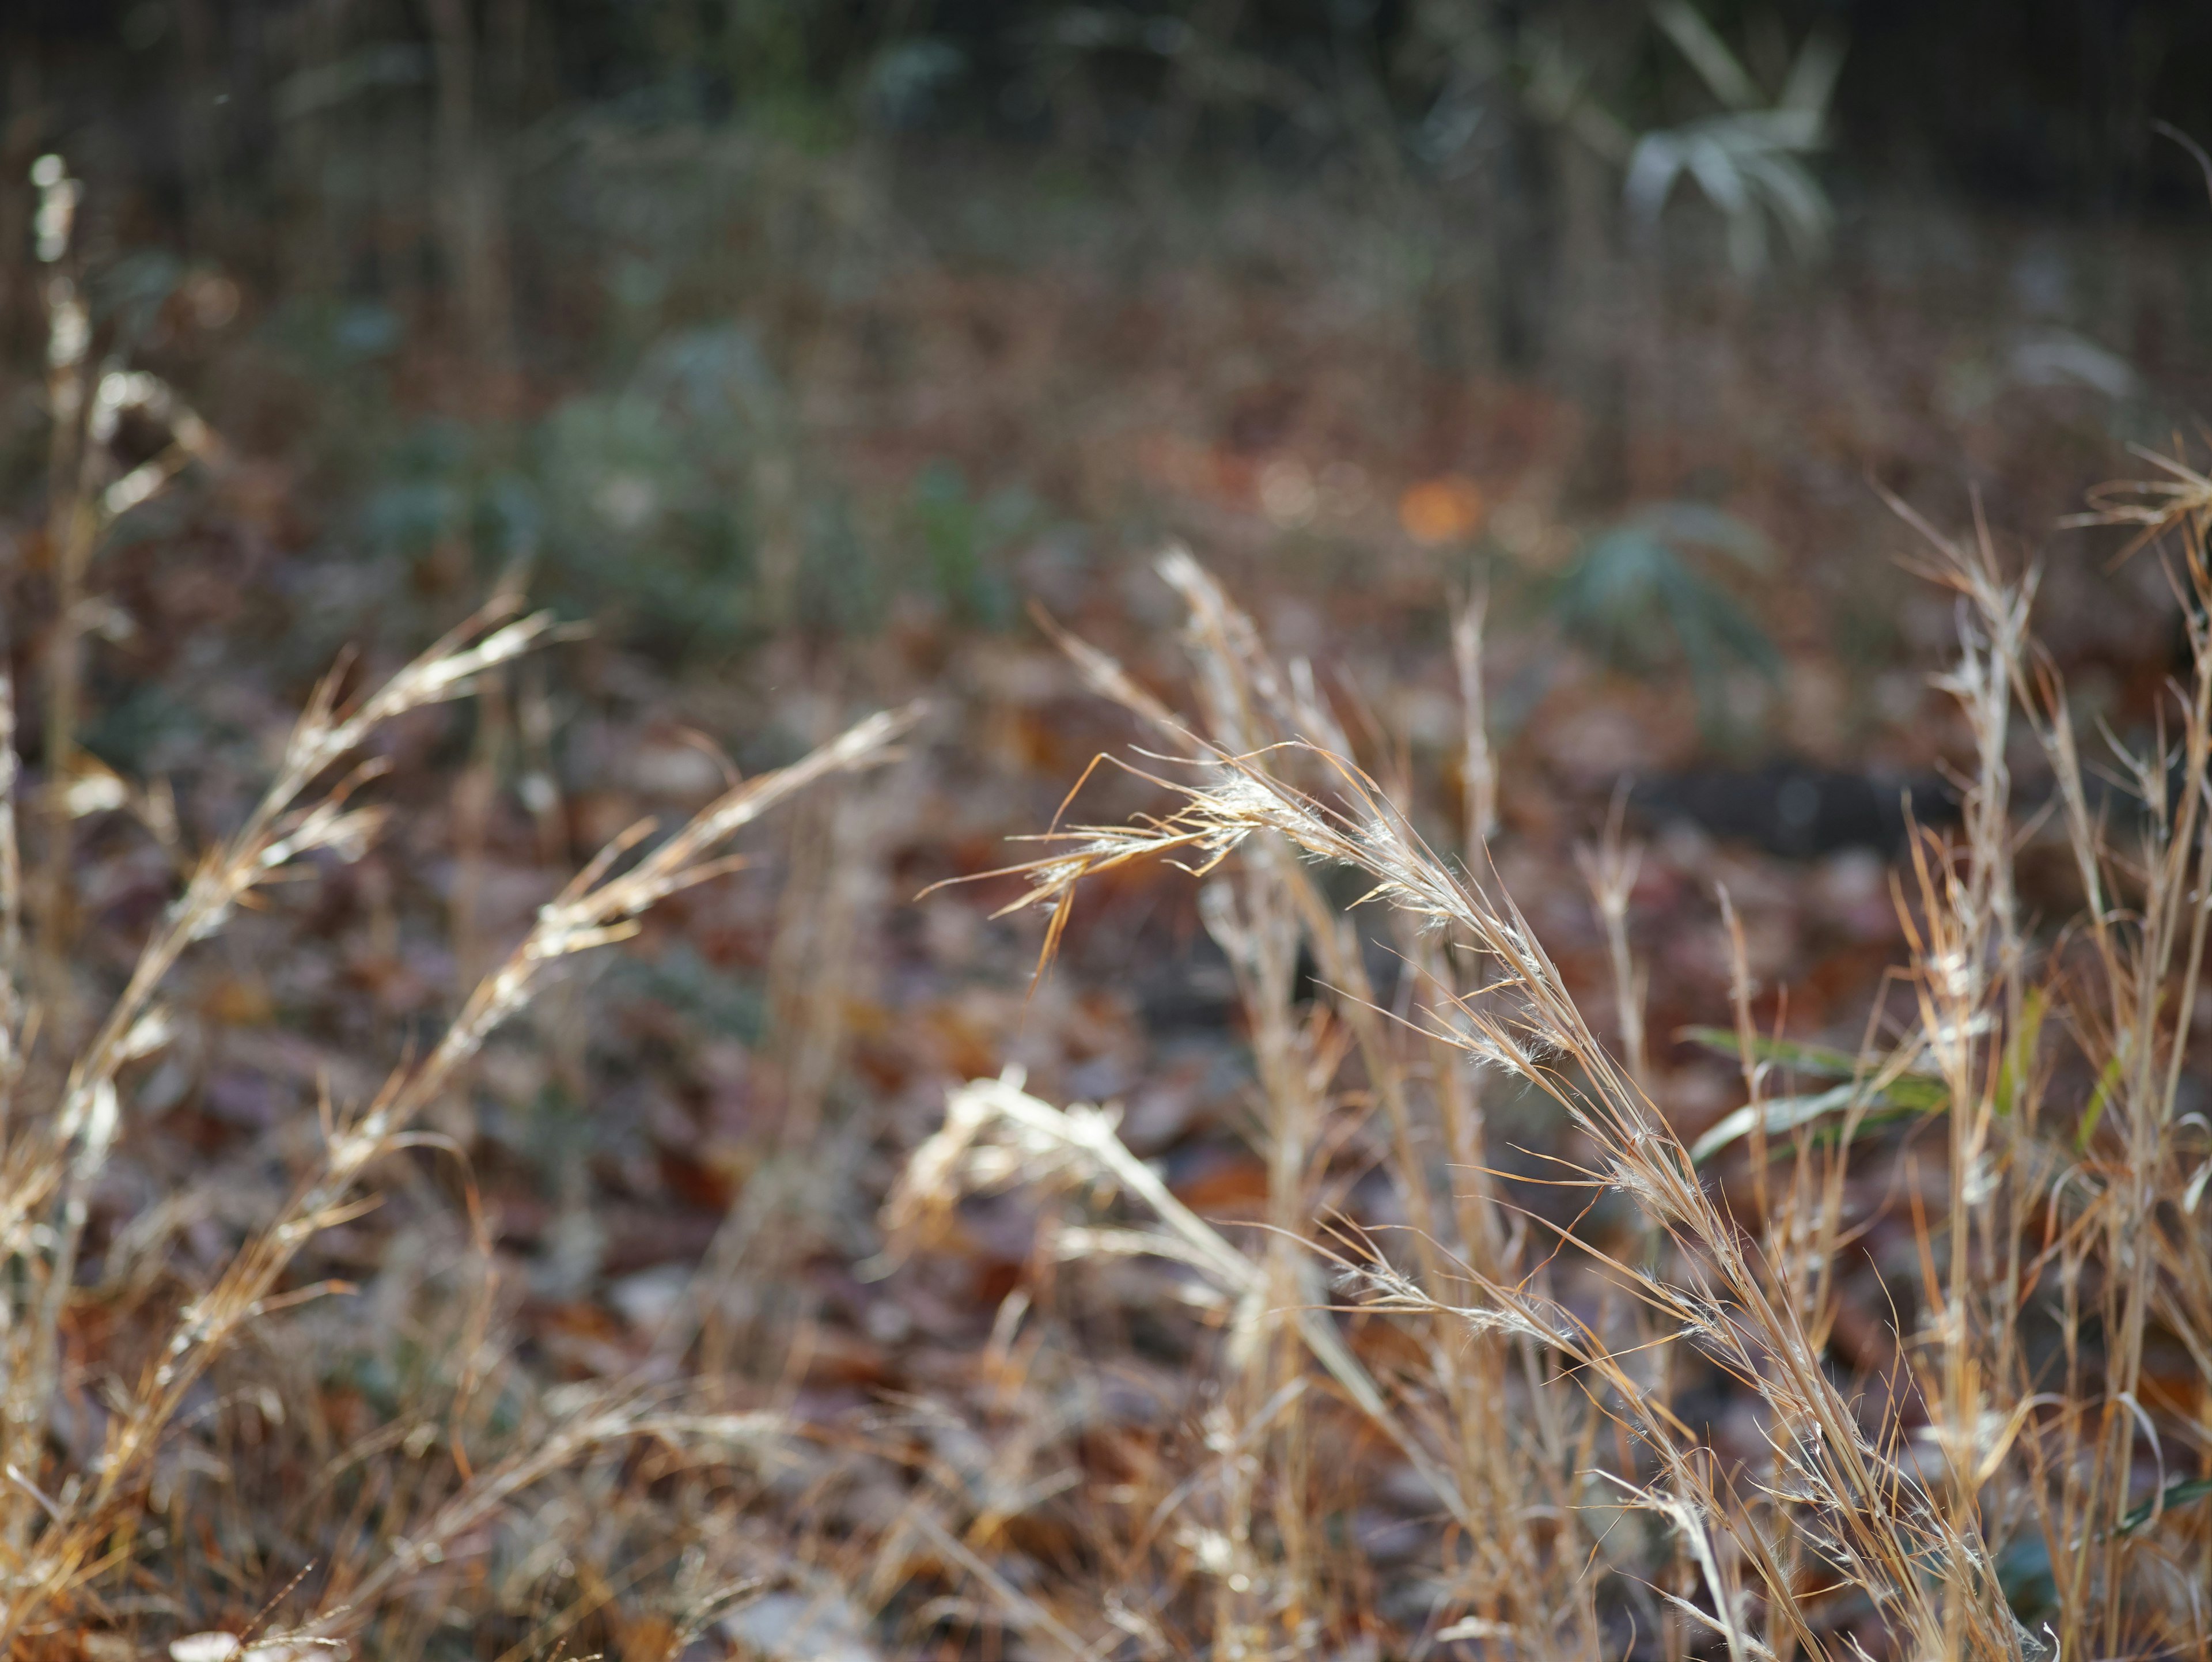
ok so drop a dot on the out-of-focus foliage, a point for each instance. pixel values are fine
(964, 540)
(1748, 161)
(1634, 596)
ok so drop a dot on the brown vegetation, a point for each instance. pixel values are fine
(1289, 1212)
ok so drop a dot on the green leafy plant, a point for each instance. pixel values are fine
(964, 540)
(1876, 1091)
(1634, 597)
(644, 502)
(1747, 159)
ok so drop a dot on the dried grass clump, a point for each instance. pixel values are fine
(64, 1532)
(135, 1494)
(2013, 1489)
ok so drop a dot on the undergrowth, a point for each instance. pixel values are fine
(2016, 1481)
(2009, 1485)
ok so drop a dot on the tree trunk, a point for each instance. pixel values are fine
(470, 204)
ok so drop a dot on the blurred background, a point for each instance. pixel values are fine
(768, 325)
(809, 350)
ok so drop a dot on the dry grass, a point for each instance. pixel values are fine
(66, 1530)
(158, 1512)
(2021, 1482)
(2057, 1213)
(78, 1534)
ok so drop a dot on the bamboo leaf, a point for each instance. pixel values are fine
(2172, 1495)
(1815, 1059)
(1784, 1115)
(1911, 1090)
(1720, 69)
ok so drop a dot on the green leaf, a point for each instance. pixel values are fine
(2020, 1053)
(1720, 69)
(1701, 526)
(1903, 1095)
(1916, 1094)
(1815, 1059)
(1915, 1090)
(1633, 595)
(2172, 1495)
(2107, 1081)
(1784, 1115)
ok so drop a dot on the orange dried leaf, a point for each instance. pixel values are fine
(1445, 509)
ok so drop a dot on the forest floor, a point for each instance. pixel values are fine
(954, 402)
